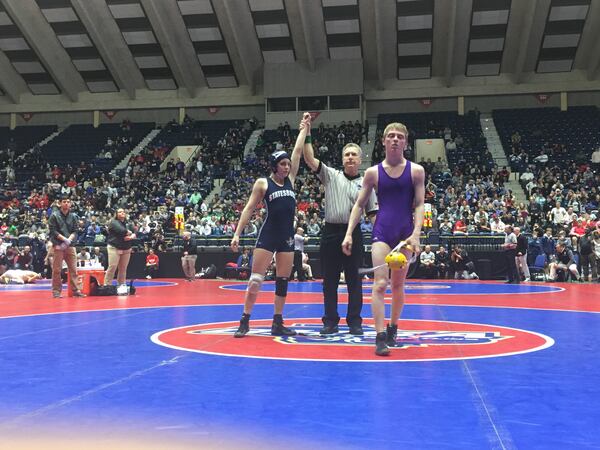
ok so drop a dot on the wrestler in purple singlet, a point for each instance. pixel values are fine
(395, 196)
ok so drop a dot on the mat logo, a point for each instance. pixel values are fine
(309, 334)
(422, 340)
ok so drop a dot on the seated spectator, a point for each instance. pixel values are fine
(462, 265)
(83, 257)
(98, 258)
(24, 260)
(442, 262)
(313, 228)
(497, 226)
(548, 243)
(446, 227)
(244, 264)
(427, 259)
(482, 226)
(577, 229)
(306, 267)
(152, 262)
(366, 226)
(563, 262)
(459, 227)
(596, 159)
(93, 229)
(450, 145)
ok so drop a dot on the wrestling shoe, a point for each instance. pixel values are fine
(244, 326)
(391, 331)
(329, 329)
(278, 329)
(381, 348)
(355, 330)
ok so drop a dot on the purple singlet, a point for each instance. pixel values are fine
(395, 196)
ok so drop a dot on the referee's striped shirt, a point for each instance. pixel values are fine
(341, 193)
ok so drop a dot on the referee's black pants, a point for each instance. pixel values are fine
(333, 261)
(512, 272)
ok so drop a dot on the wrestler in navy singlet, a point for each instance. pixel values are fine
(277, 231)
(394, 221)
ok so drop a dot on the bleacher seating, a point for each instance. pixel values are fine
(174, 134)
(578, 129)
(83, 142)
(25, 137)
(420, 125)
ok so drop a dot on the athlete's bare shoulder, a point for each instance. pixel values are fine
(417, 171)
(261, 185)
(370, 177)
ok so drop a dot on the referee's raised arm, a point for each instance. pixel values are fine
(309, 152)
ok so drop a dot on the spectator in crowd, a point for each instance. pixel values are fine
(63, 233)
(595, 159)
(497, 226)
(152, 263)
(120, 236)
(587, 256)
(558, 215)
(564, 263)
(307, 267)
(578, 229)
(548, 243)
(244, 264)
(98, 258)
(24, 260)
(461, 264)
(299, 241)
(427, 259)
(83, 257)
(596, 247)
(442, 262)
(366, 226)
(189, 255)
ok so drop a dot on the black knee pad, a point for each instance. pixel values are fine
(281, 286)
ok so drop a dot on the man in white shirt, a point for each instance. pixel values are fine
(527, 175)
(497, 225)
(427, 259)
(559, 215)
(596, 157)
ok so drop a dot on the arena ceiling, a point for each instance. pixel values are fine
(69, 47)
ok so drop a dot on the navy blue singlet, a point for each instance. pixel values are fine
(277, 231)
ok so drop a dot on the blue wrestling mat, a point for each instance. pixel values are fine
(108, 367)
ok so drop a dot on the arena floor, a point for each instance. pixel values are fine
(484, 365)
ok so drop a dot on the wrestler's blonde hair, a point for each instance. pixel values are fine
(397, 126)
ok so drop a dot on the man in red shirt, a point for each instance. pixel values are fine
(459, 227)
(578, 229)
(151, 264)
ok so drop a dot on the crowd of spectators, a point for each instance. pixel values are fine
(147, 193)
(465, 199)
